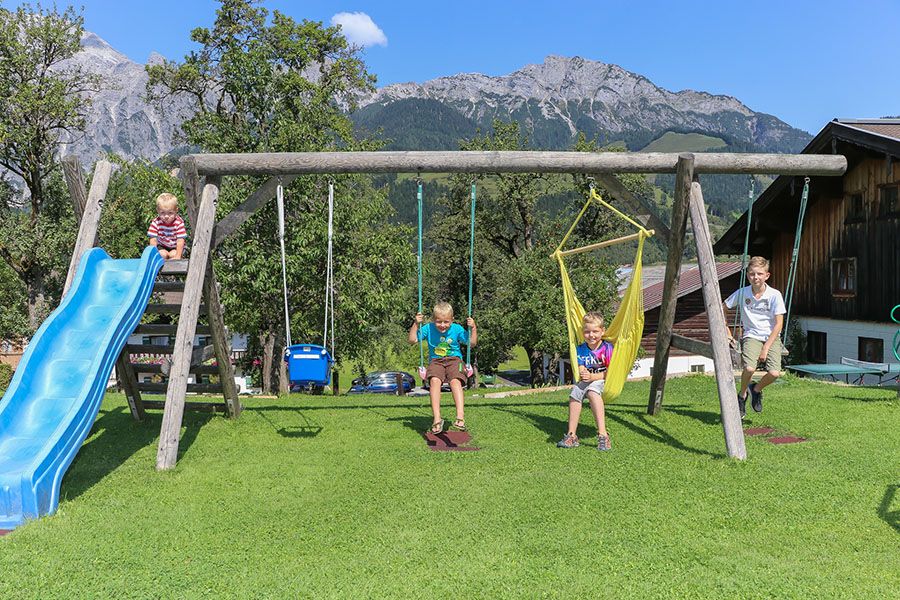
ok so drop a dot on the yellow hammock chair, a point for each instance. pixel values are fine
(627, 326)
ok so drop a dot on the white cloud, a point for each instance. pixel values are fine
(360, 29)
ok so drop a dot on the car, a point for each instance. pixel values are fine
(382, 382)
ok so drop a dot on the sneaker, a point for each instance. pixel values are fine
(569, 441)
(755, 398)
(603, 443)
(742, 405)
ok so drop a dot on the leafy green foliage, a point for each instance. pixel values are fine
(517, 298)
(282, 85)
(6, 373)
(40, 101)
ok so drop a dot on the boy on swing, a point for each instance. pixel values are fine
(593, 359)
(445, 359)
(762, 317)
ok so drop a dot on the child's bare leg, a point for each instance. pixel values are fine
(768, 378)
(599, 412)
(746, 376)
(434, 390)
(458, 398)
(574, 415)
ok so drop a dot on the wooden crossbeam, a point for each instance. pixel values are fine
(232, 222)
(293, 163)
(691, 345)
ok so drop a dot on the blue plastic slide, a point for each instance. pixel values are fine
(56, 391)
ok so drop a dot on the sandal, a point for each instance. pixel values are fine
(437, 427)
(459, 425)
(568, 441)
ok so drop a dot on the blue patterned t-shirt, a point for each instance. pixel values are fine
(442, 345)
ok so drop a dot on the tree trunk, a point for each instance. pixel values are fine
(536, 365)
(37, 301)
(267, 341)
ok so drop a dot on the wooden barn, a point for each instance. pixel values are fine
(848, 276)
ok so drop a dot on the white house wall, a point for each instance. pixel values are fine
(842, 338)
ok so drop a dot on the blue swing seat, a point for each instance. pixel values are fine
(308, 364)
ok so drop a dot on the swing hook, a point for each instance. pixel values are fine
(590, 181)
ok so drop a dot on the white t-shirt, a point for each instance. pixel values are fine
(758, 314)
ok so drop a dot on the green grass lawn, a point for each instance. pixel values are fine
(339, 497)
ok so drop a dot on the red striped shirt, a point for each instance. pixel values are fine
(167, 234)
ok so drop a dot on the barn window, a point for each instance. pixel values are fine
(889, 205)
(843, 276)
(856, 209)
(816, 346)
(871, 349)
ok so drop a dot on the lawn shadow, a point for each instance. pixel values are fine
(891, 517)
(705, 417)
(652, 431)
(307, 429)
(553, 427)
(116, 437)
(416, 423)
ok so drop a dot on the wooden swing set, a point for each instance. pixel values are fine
(202, 175)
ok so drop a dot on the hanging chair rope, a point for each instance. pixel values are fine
(419, 203)
(329, 274)
(744, 257)
(792, 273)
(627, 326)
(471, 268)
(279, 195)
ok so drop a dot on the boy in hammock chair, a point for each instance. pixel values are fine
(446, 361)
(593, 357)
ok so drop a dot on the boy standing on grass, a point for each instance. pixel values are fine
(445, 366)
(167, 231)
(762, 318)
(593, 359)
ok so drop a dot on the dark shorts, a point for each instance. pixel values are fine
(446, 369)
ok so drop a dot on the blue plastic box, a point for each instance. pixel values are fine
(308, 364)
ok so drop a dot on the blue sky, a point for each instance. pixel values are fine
(802, 61)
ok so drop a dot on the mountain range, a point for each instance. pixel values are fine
(554, 101)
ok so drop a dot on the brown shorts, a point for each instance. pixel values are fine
(446, 369)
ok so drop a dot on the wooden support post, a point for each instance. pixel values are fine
(90, 222)
(335, 382)
(618, 190)
(712, 298)
(684, 176)
(75, 182)
(167, 453)
(128, 381)
(221, 343)
(398, 380)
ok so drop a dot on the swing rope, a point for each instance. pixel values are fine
(471, 269)
(279, 195)
(329, 274)
(419, 201)
(792, 273)
(744, 257)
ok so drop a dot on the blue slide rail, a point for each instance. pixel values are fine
(55, 394)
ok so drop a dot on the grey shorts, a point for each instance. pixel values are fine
(580, 390)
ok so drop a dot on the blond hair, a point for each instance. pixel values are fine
(167, 201)
(594, 318)
(442, 309)
(759, 262)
